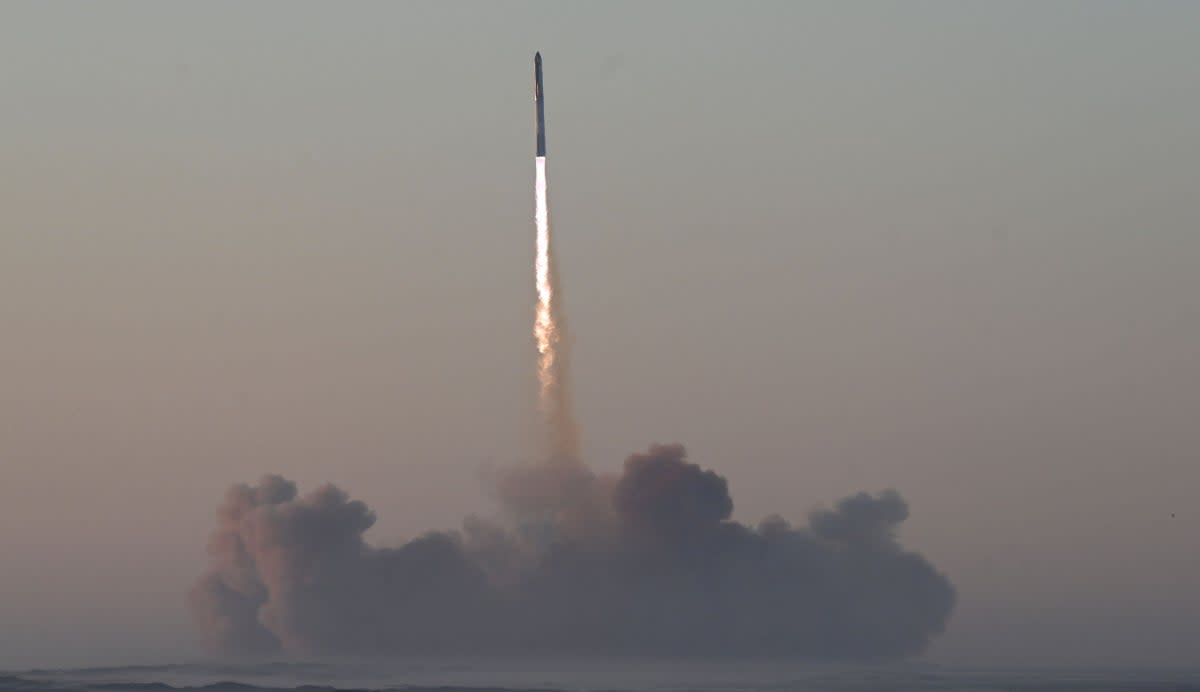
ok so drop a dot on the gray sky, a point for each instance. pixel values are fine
(949, 248)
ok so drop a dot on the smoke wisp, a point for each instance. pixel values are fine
(646, 562)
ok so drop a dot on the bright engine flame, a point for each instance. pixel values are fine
(549, 331)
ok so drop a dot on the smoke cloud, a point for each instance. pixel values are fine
(646, 562)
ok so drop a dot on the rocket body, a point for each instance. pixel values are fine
(539, 104)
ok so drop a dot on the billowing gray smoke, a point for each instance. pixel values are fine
(646, 563)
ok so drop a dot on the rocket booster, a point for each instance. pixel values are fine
(539, 103)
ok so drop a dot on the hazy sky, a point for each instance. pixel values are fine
(950, 248)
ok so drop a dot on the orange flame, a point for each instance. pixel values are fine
(549, 331)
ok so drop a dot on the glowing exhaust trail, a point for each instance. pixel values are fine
(549, 325)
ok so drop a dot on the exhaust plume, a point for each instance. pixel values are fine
(550, 334)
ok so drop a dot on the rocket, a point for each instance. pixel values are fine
(539, 103)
